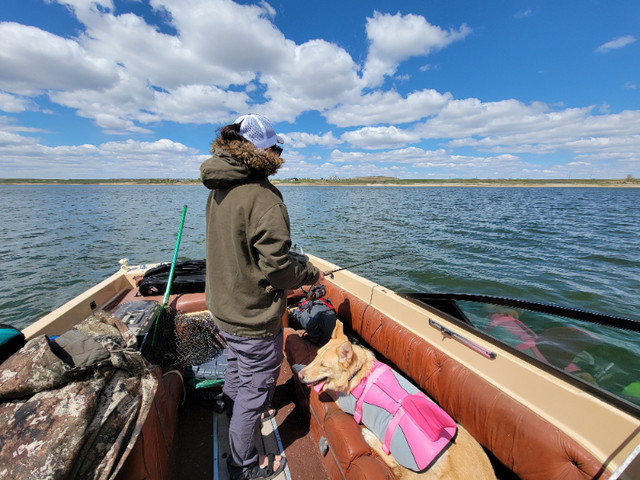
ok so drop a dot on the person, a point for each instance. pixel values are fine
(249, 269)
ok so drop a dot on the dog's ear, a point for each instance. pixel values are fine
(338, 330)
(345, 353)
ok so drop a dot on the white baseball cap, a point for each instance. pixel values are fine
(258, 130)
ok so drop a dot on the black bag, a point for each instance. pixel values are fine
(318, 318)
(188, 277)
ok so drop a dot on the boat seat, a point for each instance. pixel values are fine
(149, 458)
(184, 302)
(190, 302)
(521, 440)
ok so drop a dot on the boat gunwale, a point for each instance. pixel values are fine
(81, 306)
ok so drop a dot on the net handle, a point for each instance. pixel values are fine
(165, 299)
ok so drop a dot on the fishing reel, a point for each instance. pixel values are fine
(316, 291)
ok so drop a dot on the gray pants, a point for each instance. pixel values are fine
(250, 381)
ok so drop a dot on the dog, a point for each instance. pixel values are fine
(341, 366)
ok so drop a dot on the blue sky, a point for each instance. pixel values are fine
(409, 89)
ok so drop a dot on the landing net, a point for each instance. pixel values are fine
(180, 339)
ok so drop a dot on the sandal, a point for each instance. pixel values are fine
(255, 472)
(268, 415)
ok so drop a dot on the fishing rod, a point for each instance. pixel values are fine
(329, 273)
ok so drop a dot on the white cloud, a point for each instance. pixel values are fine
(379, 137)
(230, 42)
(523, 13)
(616, 43)
(199, 104)
(317, 75)
(62, 64)
(83, 7)
(412, 160)
(388, 107)
(122, 72)
(473, 118)
(303, 139)
(115, 109)
(15, 103)
(9, 140)
(511, 126)
(411, 155)
(128, 159)
(506, 128)
(394, 38)
(127, 75)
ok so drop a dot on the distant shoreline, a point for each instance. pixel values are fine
(357, 182)
(459, 184)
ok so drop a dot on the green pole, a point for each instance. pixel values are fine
(165, 300)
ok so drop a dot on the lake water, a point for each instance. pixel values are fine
(578, 247)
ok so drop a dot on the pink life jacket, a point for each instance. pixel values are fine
(426, 430)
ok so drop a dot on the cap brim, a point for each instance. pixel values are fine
(279, 139)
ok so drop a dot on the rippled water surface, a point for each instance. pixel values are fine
(577, 247)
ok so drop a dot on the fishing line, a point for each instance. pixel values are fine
(329, 273)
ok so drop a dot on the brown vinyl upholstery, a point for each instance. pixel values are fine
(184, 302)
(150, 457)
(528, 445)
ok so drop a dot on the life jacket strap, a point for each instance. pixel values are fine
(370, 381)
(391, 428)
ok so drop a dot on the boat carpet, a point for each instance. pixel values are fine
(193, 451)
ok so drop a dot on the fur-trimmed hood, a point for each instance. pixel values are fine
(236, 162)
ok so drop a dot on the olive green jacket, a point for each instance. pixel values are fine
(249, 266)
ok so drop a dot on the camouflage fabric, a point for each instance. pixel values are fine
(72, 407)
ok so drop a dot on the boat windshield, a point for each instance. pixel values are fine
(601, 355)
(601, 352)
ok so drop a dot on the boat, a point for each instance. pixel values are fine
(542, 409)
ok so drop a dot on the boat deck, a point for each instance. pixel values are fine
(195, 452)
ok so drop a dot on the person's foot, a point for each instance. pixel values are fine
(268, 467)
(269, 414)
(263, 462)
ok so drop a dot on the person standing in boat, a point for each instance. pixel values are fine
(249, 269)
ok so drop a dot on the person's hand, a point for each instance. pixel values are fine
(320, 277)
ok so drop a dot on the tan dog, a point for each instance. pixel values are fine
(342, 365)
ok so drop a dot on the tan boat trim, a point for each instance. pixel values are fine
(67, 315)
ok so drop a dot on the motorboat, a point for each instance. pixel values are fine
(549, 392)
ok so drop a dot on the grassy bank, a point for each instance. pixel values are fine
(473, 182)
(356, 181)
